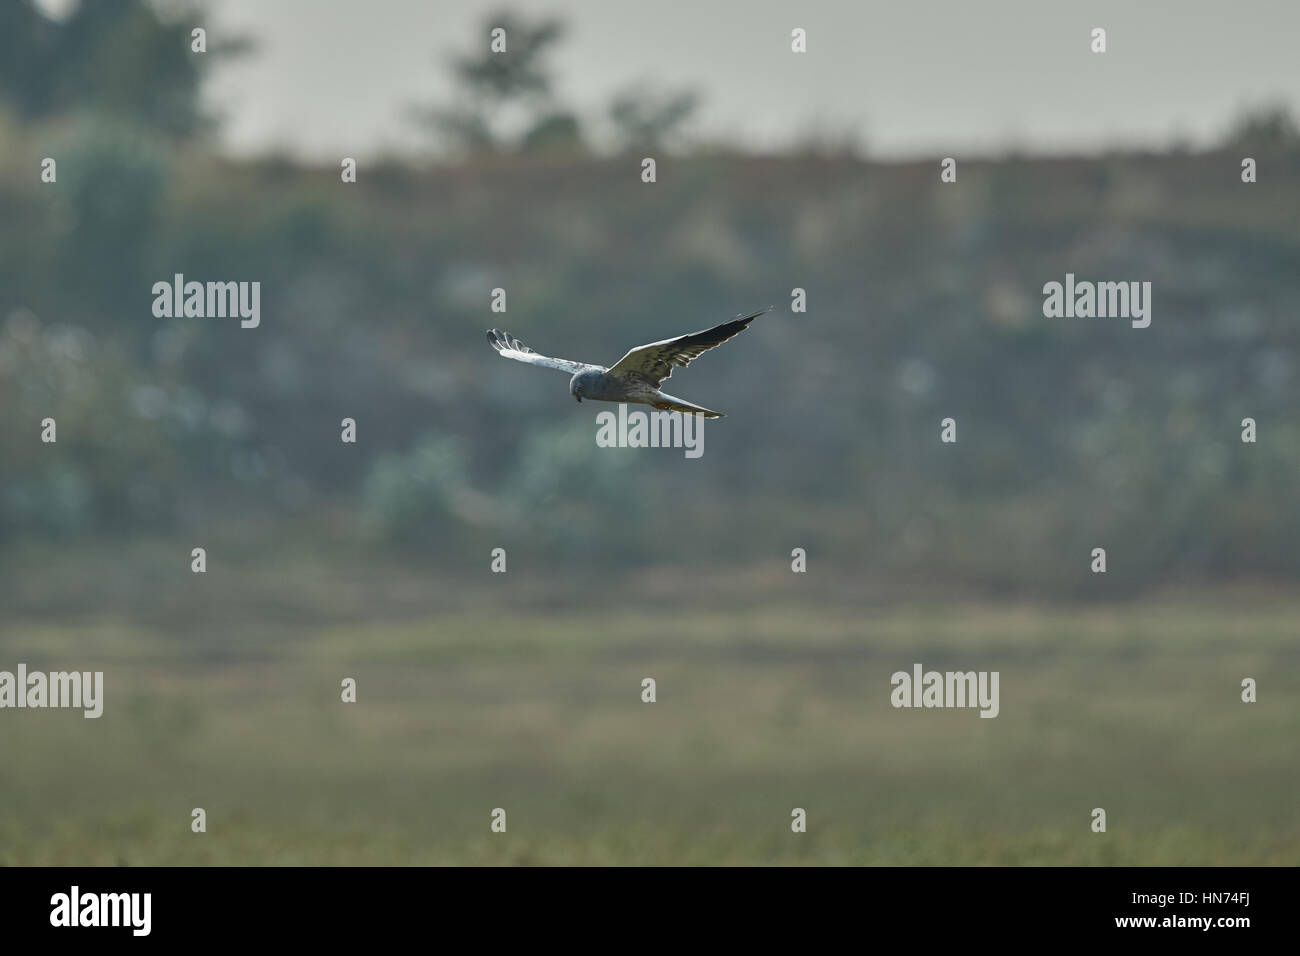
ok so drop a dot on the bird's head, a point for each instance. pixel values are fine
(579, 384)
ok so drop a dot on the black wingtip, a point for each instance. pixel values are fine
(504, 341)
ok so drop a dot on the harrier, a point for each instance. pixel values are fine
(635, 377)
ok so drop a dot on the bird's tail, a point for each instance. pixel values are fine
(669, 404)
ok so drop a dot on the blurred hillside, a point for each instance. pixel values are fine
(924, 302)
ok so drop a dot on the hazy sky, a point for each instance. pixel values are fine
(904, 77)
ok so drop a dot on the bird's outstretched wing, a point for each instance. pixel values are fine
(654, 362)
(512, 348)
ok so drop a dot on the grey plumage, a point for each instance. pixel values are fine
(635, 377)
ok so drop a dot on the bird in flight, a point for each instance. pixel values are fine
(635, 377)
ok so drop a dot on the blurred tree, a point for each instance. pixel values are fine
(1266, 128)
(27, 39)
(114, 179)
(644, 118)
(554, 131)
(119, 58)
(492, 83)
(121, 468)
(518, 70)
(413, 496)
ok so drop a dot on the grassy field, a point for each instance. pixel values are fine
(1131, 707)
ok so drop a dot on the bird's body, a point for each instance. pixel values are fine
(636, 377)
(599, 385)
